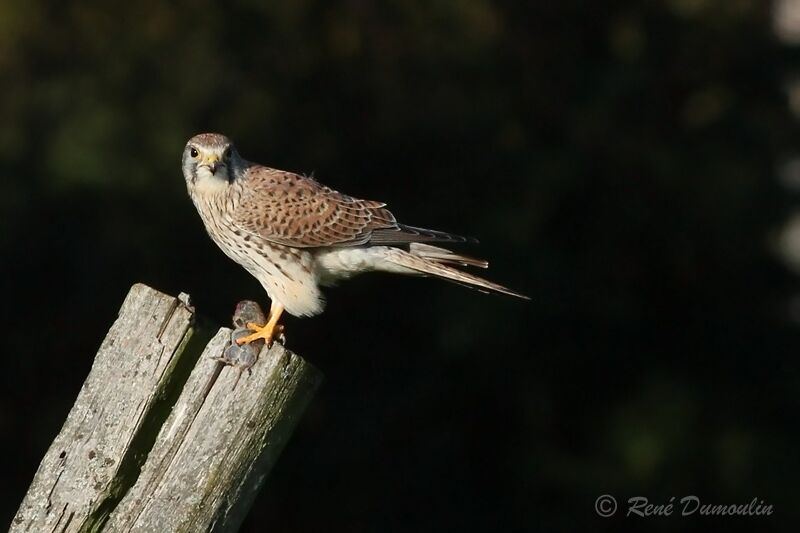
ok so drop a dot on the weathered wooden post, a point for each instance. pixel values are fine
(163, 436)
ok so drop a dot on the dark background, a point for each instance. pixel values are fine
(619, 161)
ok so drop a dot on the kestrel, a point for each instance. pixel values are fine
(295, 235)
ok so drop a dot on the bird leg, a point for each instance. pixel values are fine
(268, 331)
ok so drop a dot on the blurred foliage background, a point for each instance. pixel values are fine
(619, 160)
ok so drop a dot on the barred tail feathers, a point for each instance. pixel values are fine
(430, 260)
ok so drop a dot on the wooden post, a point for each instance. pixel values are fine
(163, 437)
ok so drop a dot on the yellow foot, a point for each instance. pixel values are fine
(268, 332)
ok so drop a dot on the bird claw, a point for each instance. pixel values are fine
(268, 332)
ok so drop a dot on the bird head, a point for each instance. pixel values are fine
(210, 161)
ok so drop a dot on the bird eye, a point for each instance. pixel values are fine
(226, 154)
(193, 152)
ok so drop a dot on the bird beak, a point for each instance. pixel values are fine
(211, 161)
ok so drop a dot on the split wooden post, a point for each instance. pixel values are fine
(162, 436)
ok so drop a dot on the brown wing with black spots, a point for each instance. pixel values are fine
(294, 210)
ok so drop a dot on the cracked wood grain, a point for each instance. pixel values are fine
(216, 448)
(155, 441)
(83, 468)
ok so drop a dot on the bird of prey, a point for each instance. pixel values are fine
(295, 235)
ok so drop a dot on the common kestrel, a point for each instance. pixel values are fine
(294, 234)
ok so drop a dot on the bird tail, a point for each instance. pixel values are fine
(428, 260)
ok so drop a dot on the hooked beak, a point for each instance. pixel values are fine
(211, 162)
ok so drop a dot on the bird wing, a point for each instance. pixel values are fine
(294, 210)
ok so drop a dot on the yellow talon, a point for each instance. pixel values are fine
(268, 331)
(259, 332)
